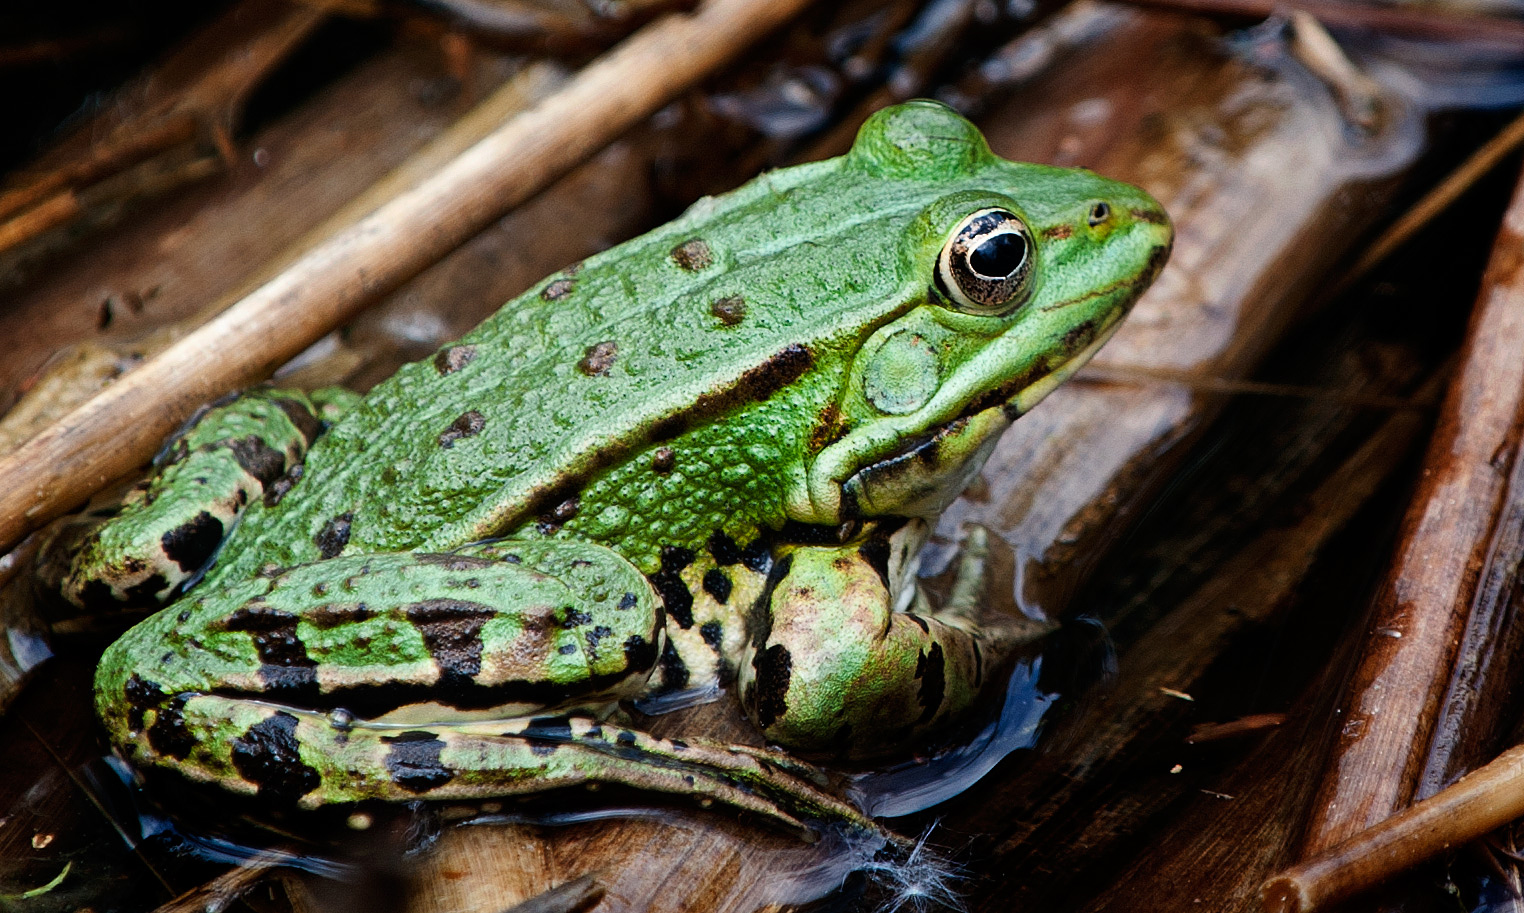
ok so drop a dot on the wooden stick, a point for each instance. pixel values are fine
(1421, 610)
(120, 428)
(1482, 801)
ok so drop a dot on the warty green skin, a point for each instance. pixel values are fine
(727, 433)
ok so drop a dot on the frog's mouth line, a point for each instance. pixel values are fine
(932, 467)
(1018, 396)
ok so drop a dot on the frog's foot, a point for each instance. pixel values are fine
(833, 668)
(171, 525)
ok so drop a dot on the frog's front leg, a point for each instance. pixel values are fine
(170, 526)
(469, 675)
(833, 667)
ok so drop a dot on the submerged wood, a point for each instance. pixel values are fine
(1421, 610)
(120, 428)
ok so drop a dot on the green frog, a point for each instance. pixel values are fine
(706, 457)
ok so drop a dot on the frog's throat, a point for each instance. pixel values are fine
(827, 478)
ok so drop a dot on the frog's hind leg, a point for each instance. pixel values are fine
(306, 759)
(832, 667)
(402, 676)
(171, 525)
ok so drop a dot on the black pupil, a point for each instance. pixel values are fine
(999, 256)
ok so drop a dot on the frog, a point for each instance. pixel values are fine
(703, 459)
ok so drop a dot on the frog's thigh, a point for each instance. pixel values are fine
(171, 525)
(490, 630)
(833, 668)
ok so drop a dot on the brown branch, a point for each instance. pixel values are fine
(1422, 607)
(120, 428)
(1482, 801)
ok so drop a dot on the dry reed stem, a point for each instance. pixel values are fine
(1482, 801)
(120, 428)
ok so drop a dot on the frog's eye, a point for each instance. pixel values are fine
(986, 266)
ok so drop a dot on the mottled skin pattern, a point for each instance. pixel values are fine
(704, 454)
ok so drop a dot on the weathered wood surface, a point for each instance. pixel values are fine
(1254, 170)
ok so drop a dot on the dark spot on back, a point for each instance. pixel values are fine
(730, 310)
(413, 761)
(828, 428)
(627, 602)
(774, 668)
(598, 359)
(717, 584)
(192, 543)
(269, 756)
(693, 255)
(334, 535)
(467, 425)
(258, 459)
(674, 593)
(450, 360)
(558, 289)
(663, 460)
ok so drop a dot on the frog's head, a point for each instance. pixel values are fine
(1012, 276)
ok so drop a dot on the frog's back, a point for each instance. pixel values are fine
(632, 347)
(742, 298)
